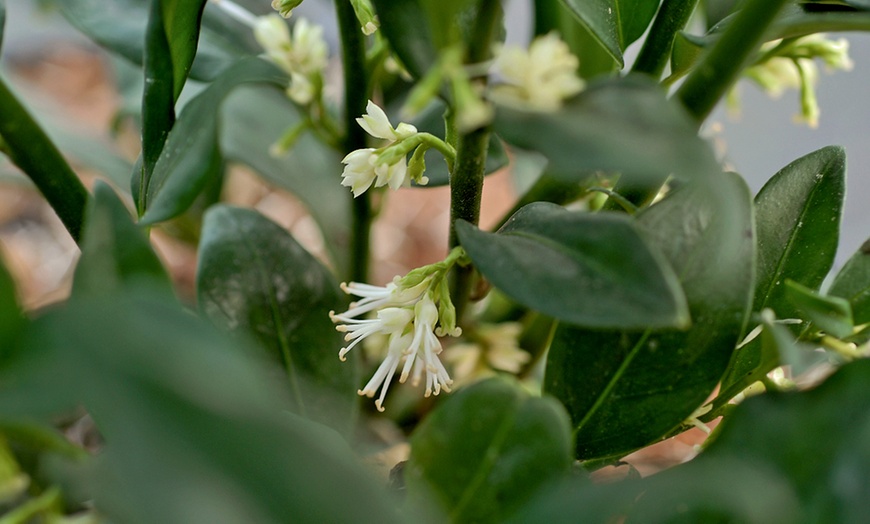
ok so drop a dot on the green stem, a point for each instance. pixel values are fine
(720, 68)
(466, 179)
(29, 148)
(466, 189)
(672, 17)
(353, 55)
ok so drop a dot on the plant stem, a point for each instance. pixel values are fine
(353, 57)
(672, 17)
(720, 68)
(466, 179)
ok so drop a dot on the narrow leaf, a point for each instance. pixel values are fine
(853, 284)
(116, 254)
(829, 313)
(27, 145)
(626, 389)
(192, 155)
(254, 279)
(595, 270)
(624, 125)
(487, 450)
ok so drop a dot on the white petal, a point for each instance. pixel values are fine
(376, 123)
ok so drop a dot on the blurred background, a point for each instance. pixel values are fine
(72, 88)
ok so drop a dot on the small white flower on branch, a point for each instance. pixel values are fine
(302, 53)
(539, 78)
(376, 123)
(410, 311)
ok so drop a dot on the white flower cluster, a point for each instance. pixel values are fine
(793, 66)
(302, 54)
(385, 166)
(412, 312)
(493, 347)
(539, 78)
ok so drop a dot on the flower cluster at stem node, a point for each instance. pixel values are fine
(412, 312)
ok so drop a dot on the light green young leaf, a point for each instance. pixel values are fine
(627, 389)
(595, 270)
(192, 154)
(487, 450)
(831, 314)
(115, 252)
(625, 125)
(853, 284)
(254, 279)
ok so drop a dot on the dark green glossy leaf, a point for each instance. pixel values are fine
(614, 23)
(192, 153)
(196, 428)
(601, 18)
(831, 314)
(487, 450)
(28, 147)
(624, 389)
(853, 284)
(254, 279)
(798, 213)
(311, 170)
(554, 15)
(594, 270)
(115, 252)
(419, 29)
(624, 125)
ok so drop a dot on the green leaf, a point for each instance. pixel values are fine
(419, 29)
(614, 23)
(831, 314)
(192, 155)
(624, 125)
(119, 26)
(28, 147)
(116, 253)
(798, 214)
(311, 170)
(553, 15)
(594, 270)
(812, 440)
(795, 21)
(853, 284)
(487, 450)
(2, 20)
(11, 317)
(254, 279)
(626, 389)
(196, 428)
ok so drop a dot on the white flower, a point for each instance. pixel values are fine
(424, 349)
(362, 169)
(407, 313)
(540, 78)
(303, 52)
(376, 123)
(301, 89)
(390, 321)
